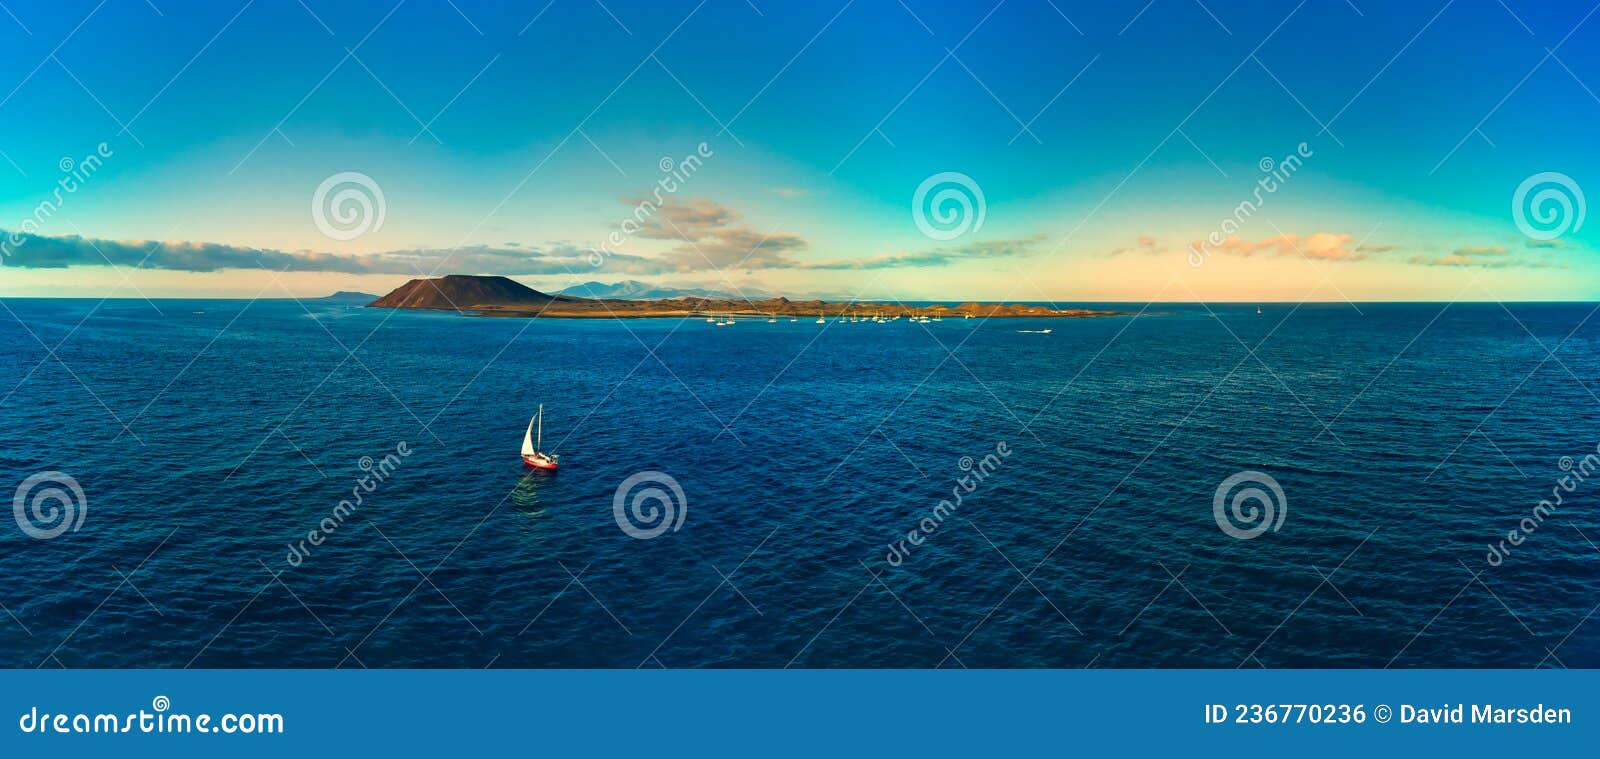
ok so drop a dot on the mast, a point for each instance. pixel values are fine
(540, 445)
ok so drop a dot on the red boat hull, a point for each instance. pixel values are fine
(539, 463)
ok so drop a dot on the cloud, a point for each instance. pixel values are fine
(690, 220)
(1322, 246)
(790, 193)
(934, 257)
(1553, 243)
(711, 237)
(1145, 244)
(736, 248)
(1486, 256)
(38, 252)
(1466, 261)
(1329, 247)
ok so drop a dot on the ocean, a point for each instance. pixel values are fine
(278, 484)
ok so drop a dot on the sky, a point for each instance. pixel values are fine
(1002, 150)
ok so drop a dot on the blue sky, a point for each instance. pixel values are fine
(546, 124)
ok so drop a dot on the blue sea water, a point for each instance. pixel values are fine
(210, 436)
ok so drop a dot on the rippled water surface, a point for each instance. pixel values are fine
(209, 436)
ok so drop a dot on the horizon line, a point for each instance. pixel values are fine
(857, 300)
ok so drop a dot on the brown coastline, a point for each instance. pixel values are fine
(502, 297)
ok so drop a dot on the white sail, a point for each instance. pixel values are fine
(527, 440)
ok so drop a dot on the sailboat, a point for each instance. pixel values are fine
(531, 455)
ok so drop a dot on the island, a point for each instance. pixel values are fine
(501, 296)
(347, 296)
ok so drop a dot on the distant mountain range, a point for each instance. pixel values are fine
(346, 296)
(632, 289)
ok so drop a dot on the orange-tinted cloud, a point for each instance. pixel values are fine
(1322, 246)
(1486, 256)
